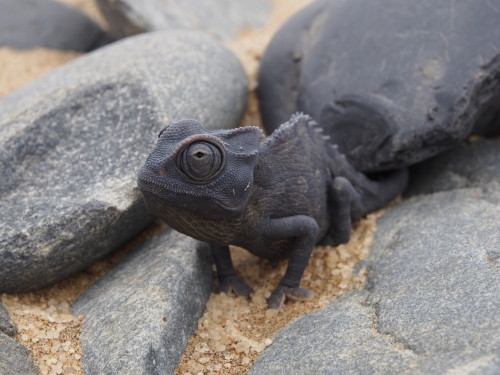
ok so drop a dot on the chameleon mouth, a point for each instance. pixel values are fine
(149, 185)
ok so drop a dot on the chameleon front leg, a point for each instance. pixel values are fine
(229, 281)
(305, 231)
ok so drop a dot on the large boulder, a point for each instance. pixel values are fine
(72, 142)
(139, 317)
(431, 304)
(26, 24)
(392, 82)
(221, 19)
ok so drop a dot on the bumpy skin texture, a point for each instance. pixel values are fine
(276, 197)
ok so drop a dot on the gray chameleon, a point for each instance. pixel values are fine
(276, 197)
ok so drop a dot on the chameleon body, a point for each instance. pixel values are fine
(276, 197)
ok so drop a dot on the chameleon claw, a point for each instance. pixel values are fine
(279, 295)
(277, 298)
(299, 294)
(236, 285)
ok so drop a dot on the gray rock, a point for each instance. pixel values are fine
(71, 144)
(392, 82)
(15, 358)
(470, 165)
(26, 24)
(219, 18)
(434, 282)
(431, 304)
(342, 339)
(139, 317)
(6, 324)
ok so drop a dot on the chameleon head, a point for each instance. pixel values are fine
(206, 172)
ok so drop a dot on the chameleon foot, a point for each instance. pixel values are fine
(279, 295)
(234, 284)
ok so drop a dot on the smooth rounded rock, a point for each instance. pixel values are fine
(26, 24)
(139, 317)
(392, 82)
(221, 19)
(71, 144)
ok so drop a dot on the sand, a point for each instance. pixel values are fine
(90, 8)
(233, 331)
(20, 67)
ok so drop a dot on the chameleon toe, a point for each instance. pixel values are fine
(281, 293)
(298, 294)
(236, 285)
(277, 299)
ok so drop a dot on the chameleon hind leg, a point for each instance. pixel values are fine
(346, 208)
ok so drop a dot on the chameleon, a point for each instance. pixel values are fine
(276, 197)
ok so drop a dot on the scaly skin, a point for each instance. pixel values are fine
(277, 197)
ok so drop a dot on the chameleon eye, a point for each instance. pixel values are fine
(201, 161)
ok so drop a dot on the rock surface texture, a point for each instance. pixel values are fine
(14, 358)
(221, 19)
(26, 24)
(139, 317)
(469, 166)
(6, 324)
(393, 82)
(431, 303)
(71, 144)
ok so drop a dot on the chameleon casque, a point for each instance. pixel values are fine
(276, 197)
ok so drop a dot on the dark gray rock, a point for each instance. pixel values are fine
(470, 165)
(392, 82)
(139, 317)
(221, 18)
(15, 358)
(6, 324)
(26, 24)
(71, 144)
(431, 304)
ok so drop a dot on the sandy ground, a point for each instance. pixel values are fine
(20, 67)
(233, 331)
